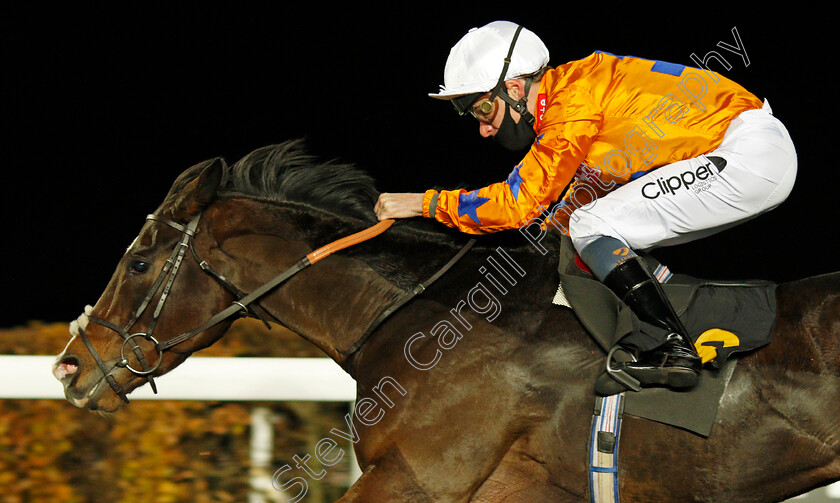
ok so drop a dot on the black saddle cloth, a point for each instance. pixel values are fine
(727, 317)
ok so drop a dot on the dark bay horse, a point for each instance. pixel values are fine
(478, 389)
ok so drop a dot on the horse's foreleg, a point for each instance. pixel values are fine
(389, 479)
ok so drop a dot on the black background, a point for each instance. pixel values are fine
(104, 106)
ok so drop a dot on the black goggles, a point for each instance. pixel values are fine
(465, 102)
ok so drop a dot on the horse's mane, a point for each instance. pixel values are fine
(286, 172)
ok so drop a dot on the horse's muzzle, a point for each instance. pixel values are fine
(66, 369)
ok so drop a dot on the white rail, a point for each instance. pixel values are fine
(207, 378)
(201, 378)
(232, 379)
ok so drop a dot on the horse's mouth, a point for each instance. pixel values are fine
(67, 370)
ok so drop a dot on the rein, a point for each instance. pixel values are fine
(242, 306)
(308, 260)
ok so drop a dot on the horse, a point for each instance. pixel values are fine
(474, 388)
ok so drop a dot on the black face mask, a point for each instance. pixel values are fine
(514, 136)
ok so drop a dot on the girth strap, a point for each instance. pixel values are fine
(603, 449)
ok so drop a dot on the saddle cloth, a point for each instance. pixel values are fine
(723, 318)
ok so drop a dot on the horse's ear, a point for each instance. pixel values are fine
(200, 192)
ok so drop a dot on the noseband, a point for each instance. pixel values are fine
(245, 305)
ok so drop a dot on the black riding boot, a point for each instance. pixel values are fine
(675, 363)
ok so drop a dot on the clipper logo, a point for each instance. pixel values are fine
(696, 181)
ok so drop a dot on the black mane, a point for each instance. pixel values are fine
(286, 172)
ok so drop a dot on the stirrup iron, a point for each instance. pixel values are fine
(620, 375)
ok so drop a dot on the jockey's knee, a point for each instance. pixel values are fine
(599, 245)
(586, 226)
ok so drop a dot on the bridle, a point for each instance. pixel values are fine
(245, 305)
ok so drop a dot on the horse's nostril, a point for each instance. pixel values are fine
(67, 367)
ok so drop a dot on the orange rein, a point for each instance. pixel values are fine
(345, 242)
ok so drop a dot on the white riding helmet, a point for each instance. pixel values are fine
(475, 63)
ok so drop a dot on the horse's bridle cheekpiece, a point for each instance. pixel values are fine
(245, 305)
(170, 269)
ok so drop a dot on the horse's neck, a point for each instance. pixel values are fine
(330, 303)
(335, 301)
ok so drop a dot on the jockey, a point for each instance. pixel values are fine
(636, 153)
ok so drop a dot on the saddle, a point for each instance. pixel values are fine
(723, 318)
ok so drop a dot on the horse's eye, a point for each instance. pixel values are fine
(138, 267)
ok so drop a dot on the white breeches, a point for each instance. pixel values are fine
(691, 199)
